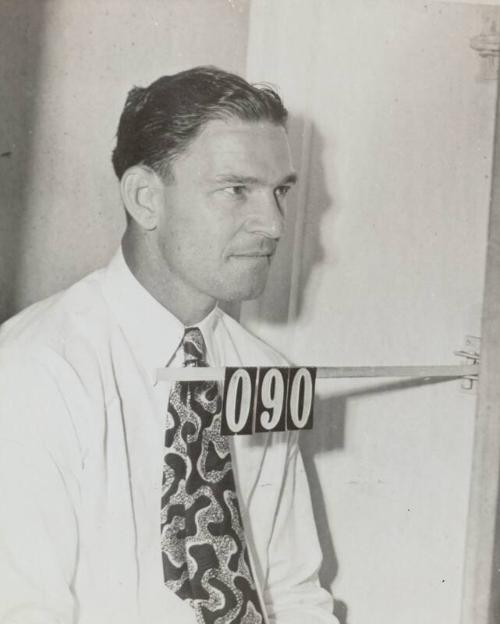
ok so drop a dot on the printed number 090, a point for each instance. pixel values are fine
(279, 397)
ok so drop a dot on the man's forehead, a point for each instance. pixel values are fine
(226, 145)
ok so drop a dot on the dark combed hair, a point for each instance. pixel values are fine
(158, 122)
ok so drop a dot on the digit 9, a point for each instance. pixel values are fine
(271, 399)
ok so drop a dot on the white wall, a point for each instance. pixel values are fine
(395, 133)
(92, 53)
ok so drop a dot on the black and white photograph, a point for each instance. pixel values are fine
(249, 312)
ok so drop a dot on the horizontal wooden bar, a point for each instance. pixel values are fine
(330, 372)
(194, 373)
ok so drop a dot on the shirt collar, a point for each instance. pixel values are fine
(153, 332)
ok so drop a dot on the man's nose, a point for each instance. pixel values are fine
(266, 216)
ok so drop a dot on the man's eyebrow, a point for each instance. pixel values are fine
(236, 179)
(231, 178)
(291, 178)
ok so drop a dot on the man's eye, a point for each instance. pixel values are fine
(282, 191)
(236, 191)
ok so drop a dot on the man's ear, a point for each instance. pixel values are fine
(139, 188)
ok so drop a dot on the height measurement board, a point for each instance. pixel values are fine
(267, 399)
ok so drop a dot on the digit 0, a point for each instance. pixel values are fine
(238, 401)
(301, 399)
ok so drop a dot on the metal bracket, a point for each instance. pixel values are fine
(471, 353)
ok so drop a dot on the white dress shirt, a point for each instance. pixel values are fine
(81, 447)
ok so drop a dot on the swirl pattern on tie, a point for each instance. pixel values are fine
(205, 557)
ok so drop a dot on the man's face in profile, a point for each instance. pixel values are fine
(223, 210)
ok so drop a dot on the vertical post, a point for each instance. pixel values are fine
(479, 590)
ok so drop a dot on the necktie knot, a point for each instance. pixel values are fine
(195, 349)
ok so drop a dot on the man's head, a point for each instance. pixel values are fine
(204, 167)
(159, 122)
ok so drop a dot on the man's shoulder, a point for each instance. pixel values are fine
(253, 350)
(50, 356)
(50, 324)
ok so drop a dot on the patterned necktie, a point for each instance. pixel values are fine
(205, 557)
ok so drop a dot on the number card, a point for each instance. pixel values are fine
(271, 400)
(267, 399)
(239, 400)
(301, 398)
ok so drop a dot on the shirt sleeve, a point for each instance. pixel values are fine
(292, 593)
(39, 497)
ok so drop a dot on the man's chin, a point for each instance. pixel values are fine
(244, 292)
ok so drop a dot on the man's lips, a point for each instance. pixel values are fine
(264, 251)
(257, 257)
(254, 254)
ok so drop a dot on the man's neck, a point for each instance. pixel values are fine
(188, 306)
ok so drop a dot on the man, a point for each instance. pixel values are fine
(121, 501)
